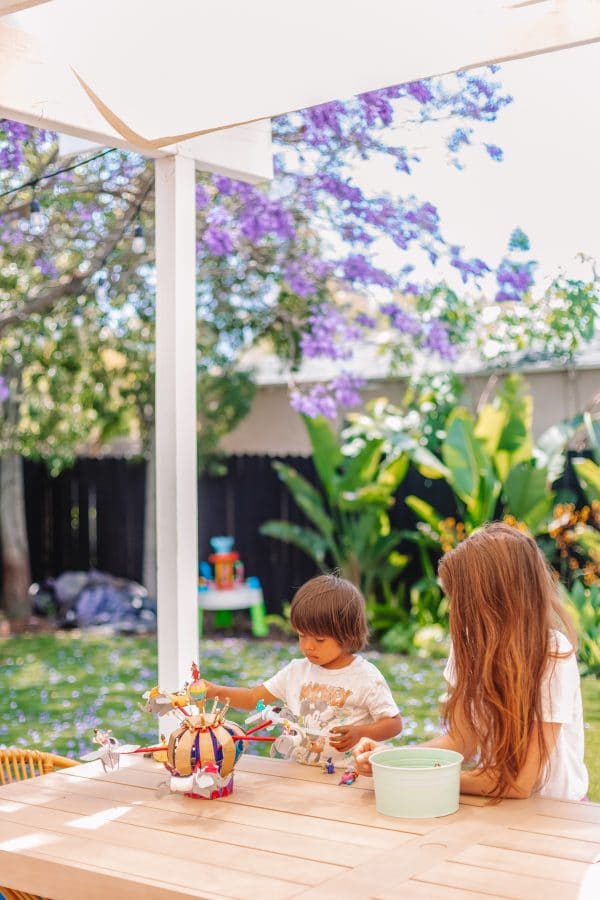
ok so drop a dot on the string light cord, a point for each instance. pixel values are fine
(35, 181)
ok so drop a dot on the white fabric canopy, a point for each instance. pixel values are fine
(156, 72)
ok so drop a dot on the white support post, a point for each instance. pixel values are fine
(176, 461)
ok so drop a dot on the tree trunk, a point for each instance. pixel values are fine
(149, 565)
(16, 572)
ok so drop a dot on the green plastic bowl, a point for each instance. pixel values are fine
(416, 782)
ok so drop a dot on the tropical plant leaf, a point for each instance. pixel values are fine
(472, 476)
(306, 539)
(550, 448)
(326, 452)
(424, 512)
(307, 497)
(362, 468)
(394, 473)
(428, 464)
(527, 496)
(588, 474)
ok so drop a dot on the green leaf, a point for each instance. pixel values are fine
(373, 495)
(361, 469)
(588, 474)
(305, 538)
(551, 446)
(527, 496)
(306, 496)
(424, 511)
(326, 452)
(428, 463)
(471, 473)
(394, 473)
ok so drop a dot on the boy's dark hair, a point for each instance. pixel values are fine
(328, 606)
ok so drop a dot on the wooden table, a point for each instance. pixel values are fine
(287, 831)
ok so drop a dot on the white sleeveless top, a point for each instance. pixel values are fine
(566, 776)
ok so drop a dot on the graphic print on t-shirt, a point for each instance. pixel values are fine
(321, 708)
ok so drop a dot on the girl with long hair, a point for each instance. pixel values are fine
(513, 704)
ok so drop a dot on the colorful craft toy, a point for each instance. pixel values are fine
(201, 753)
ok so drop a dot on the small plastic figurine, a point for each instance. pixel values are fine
(328, 766)
(349, 777)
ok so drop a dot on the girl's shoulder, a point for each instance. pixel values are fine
(560, 643)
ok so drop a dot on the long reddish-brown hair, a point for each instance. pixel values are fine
(503, 602)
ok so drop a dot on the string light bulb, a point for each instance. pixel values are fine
(36, 216)
(101, 289)
(138, 244)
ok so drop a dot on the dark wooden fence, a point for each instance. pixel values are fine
(92, 516)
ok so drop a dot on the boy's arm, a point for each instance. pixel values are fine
(382, 730)
(240, 698)
(344, 737)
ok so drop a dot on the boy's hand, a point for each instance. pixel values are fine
(344, 737)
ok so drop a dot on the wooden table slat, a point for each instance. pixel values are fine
(507, 884)
(287, 831)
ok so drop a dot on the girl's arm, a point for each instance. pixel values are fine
(240, 698)
(482, 783)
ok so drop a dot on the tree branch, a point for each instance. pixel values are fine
(72, 284)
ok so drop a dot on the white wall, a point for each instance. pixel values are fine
(272, 427)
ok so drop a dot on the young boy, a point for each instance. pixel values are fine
(334, 695)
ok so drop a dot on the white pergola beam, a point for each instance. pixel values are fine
(176, 445)
(13, 6)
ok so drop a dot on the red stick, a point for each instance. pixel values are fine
(147, 750)
(258, 727)
(251, 737)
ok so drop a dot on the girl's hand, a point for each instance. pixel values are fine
(343, 737)
(362, 755)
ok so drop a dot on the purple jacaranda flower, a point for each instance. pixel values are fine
(437, 339)
(322, 121)
(467, 267)
(260, 216)
(365, 321)
(219, 242)
(357, 267)
(402, 320)
(314, 402)
(202, 198)
(425, 216)
(339, 188)
(329, 335)
(377, 108)
(345, 388)
(495, 152)
(45, 267)
(420, 90)
(4, 390)
(354, 234)
(325, 399)
(514, 279)
(224, 185)
(298, 280)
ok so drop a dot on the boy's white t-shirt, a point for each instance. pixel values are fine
(320, 699)
(566, 776)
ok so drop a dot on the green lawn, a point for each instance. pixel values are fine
(56, 688)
